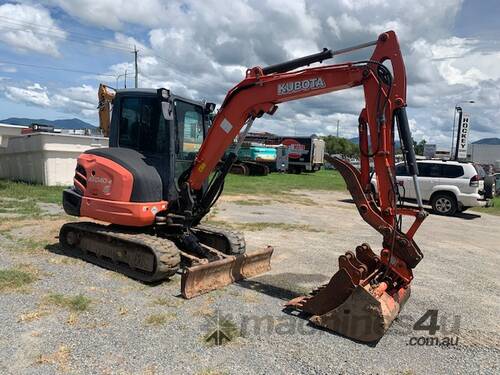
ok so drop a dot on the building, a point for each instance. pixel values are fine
(7, 131)
(46, 158)
(484, 154)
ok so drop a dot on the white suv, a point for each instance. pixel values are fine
(448, 186)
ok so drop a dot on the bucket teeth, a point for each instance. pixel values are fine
(328, 297)
(349, 304)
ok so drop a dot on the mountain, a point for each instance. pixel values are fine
(72, 123)
(487, 141)
(355, 140)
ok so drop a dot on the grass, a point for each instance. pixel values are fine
(254, 227)
(61, 358)
(495, 210)
(31, 316)
(26, 245)
(168, 302)
(210, 371)
(19, 207)
(15, 278)
(21, 198)
(277, 183)
(31, 192)
(282, 198)
(159, 319)
(76, 303)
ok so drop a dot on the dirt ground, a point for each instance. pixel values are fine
(74, 317)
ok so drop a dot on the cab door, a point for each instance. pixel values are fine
(190, 132)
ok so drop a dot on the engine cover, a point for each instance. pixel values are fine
(117, 186)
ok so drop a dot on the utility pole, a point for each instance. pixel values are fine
(136, 70)
(122, 75)
(338, 121)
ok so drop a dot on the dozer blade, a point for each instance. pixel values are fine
(203, 278)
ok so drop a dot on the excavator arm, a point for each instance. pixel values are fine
(385, 101)
(385, 278)
(105, 95)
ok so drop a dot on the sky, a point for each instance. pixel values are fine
(200, 49)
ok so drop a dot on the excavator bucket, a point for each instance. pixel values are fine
(350, 304)
(365, 315)
(367, 293)
(203, 278)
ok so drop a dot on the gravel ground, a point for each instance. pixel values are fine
(132, 328)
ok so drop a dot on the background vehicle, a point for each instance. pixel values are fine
(448, 186)
(497, 183)
(305, 154)
(258, 159)
(162, 174)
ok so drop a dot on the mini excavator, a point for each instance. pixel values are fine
(165, 169)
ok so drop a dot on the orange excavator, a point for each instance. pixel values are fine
(165, 169)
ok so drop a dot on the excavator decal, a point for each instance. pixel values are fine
(297, 86)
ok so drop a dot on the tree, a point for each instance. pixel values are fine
(338, 145)
(419, 147)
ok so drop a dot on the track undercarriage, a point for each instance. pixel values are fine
(208, 257)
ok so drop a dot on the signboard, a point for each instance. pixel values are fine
(295, 149)
(429, 151)
(462, 136)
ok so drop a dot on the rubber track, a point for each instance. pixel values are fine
(236, 239)
(166, 253)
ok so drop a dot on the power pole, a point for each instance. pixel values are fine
(338, 121)
(136, 70)
(125, 82)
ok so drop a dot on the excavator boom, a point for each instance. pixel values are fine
(377, 284)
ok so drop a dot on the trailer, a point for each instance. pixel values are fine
(305, 153)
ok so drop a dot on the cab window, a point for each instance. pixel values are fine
(189, 122)
(142, 128)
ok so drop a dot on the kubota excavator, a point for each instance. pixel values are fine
(163, 172)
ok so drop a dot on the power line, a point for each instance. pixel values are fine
(87, 36)
(71, 39)
(55, 68)
(58, 33)
(57, 30)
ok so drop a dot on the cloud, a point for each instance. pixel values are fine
(201, 49)
(34, 94)
(6, 68)
(30, 28)
(114, 14)
(78, 100)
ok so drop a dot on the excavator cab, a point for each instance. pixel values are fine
(166, 130)
(154, 137)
